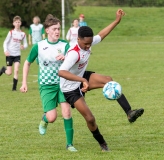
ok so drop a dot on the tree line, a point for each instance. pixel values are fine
(27, 9)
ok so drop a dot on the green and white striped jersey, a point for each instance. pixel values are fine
(48, 65)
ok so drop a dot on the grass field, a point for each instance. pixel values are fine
(133, 55)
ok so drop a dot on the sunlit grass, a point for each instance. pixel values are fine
(133, 56)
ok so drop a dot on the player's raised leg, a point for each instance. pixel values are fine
(8, 70)
(49, 103)
(98, 81)
(43, 125)
(2, 70)
(48, 117)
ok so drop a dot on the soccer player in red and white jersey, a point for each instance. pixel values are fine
(13, 44)
(72, 33)
(73, 73)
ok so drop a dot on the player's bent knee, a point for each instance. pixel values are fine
(51, 119)
(9, 74)
(66, 113)
(91, 120)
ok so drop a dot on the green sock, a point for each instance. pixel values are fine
(68, 125)
(45, 118)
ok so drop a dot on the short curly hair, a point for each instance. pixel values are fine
(85, 31)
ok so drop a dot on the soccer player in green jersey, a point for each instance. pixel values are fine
(36, 31)
(50, 53)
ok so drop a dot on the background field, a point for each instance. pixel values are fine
(133, 55)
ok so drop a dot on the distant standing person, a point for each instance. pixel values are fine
(14, 42)
(81, 20)
(72, 33)
(36, 31)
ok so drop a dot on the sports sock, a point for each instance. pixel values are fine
(124, 104)
(45, 118)
(97, 135)
(15, 81)
(3, 69)
(68, 126)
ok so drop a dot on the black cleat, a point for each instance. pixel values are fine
(104, 147)
(134, 114)
(2, 70)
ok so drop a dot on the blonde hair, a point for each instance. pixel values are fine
(16, 18)
(51, 20)
(37, 18)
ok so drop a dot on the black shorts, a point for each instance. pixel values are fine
(11, 59)
(86, 75)
(72, 96)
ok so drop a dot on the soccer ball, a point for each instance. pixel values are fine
(112, 90)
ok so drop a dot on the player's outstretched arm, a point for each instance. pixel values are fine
(104, 32)
(25, 74)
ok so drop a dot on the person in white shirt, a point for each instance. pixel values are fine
(36, 31)
(73, 73)
(72, 33)
(13, 44)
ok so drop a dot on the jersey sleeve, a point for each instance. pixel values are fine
(30, 30)
(6, 41)
(66, 48)
(96, 39)
(33, 53)
(70, 59)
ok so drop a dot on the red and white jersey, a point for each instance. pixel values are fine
(72, 35)
(76, 61)
(13, 41)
